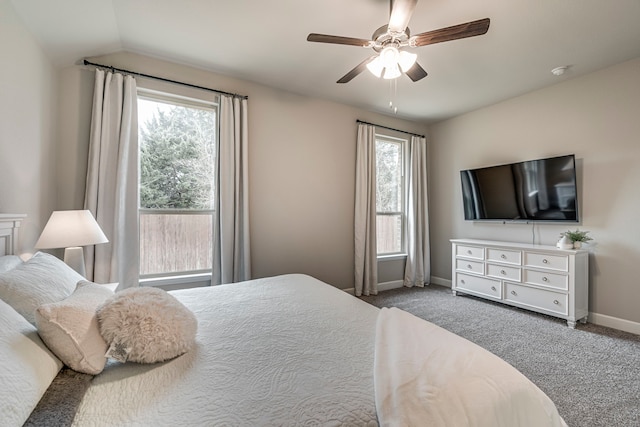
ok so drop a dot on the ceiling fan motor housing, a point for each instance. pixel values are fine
(382, 38)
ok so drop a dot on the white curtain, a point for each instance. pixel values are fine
(418, 268)
(231, 251)
(112, 180)
(366, 257)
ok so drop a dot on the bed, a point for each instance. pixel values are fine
(288, 350)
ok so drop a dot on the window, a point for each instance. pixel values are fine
(177, 139)
(390, 195)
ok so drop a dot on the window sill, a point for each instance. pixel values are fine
(392, 257)
(175, 280)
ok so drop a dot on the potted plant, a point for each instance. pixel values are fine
(578, 237)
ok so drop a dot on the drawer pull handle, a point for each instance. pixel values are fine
(544, 279)
(504, 273)
(493, 288)
(469, 266)
(462, 281)
(469, 251)
(556, 302)
(503, 256)
(514, 293)
(545, 261)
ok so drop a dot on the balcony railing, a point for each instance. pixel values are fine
(175, 242)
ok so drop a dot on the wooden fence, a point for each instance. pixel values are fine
(172, 243)
(389, 233)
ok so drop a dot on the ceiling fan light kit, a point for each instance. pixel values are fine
(388, 41)
(390, 61)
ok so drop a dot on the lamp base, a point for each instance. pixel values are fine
(74, 258)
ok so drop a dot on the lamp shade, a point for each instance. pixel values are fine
(70, 228)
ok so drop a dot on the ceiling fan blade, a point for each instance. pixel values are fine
(357, 70)
(416, 72)
(325, 38)
(461, 31)
(401, 11)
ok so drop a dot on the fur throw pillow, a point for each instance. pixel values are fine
(146, 325)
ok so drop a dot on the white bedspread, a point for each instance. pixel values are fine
(282, 351)
(427, 376)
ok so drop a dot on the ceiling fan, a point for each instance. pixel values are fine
(390, 42)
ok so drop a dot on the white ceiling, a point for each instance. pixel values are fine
(264, 41)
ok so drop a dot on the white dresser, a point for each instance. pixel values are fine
(534, 277)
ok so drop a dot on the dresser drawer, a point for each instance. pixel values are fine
(470, 266)
(501, 255)
(503, 272)
(551, 262)
(555, 302)
(470, 252)
(545, 278)
(479, 285)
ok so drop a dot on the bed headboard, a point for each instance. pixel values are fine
(9, 225)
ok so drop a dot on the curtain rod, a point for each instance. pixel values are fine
(386, 127)
(164, 80)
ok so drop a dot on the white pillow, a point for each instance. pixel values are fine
(70, 328)
(27, 367)
(40, 280)
(9, 262)
(146, 325)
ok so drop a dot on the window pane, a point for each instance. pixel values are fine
(177, 174)
(177, 155)
(389, 176)
(172, 243)
(389, 196)
(389, 233)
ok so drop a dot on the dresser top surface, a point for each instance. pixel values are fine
(515, 245)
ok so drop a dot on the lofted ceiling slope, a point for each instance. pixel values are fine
(265, 42)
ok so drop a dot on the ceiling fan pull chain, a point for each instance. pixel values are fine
(393, 92)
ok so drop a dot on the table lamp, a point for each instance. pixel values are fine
(71, 230)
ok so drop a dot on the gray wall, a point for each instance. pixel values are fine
(301, 166)
(597, 117)
(28, 104)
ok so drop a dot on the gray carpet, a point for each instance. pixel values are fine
(58, 406)
(592, 373)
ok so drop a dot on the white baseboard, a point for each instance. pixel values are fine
(595, 318)
(615, 323)
(441, 282)
(395, 284)
(385, 286)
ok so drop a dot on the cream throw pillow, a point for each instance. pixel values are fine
(70, 328)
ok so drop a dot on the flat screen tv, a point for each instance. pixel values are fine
(533, 190)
